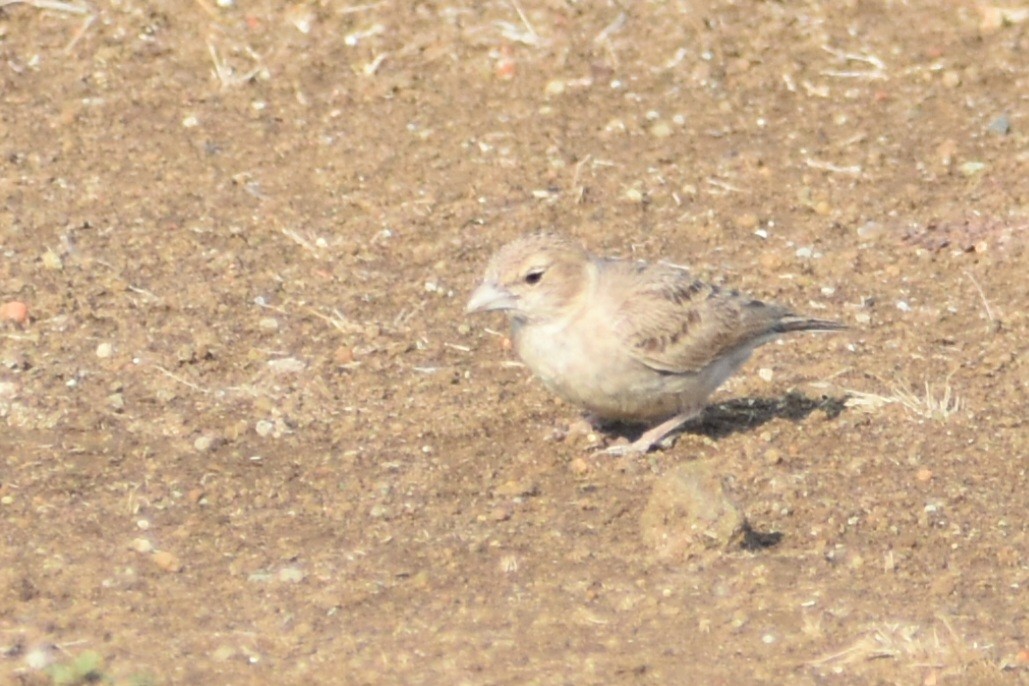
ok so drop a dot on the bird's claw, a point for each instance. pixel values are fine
(623, 449)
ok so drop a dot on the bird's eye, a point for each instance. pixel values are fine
(533, 277)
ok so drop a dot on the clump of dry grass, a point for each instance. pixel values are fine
(935, 403)
(943, 652)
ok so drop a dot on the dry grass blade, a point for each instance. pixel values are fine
(55, 5)
(982, 294)
(226, 75)
(525, 21)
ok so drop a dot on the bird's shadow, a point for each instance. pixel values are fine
(745, 414)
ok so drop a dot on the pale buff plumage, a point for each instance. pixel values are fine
(627, 341)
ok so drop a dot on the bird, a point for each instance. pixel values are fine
(628, 341)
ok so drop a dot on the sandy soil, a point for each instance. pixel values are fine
(249, 436)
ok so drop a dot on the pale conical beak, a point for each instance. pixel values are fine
(490, 296)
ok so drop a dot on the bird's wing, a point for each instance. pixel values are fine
(674, 323)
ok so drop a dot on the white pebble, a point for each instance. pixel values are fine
(765, 374)
(104, 350)
(142, 545)
(634, 195)
(291, 575)
(264, 428)
(38, 658)
(903, 306)
(554, 87)
(287, 365)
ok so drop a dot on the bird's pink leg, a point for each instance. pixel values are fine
(652, 437)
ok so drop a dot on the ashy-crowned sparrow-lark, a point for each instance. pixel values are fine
(627, 341)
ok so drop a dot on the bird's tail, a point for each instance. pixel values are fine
(794, 323)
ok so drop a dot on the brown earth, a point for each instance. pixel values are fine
(251, 438)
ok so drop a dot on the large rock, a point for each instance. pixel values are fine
(689, 512)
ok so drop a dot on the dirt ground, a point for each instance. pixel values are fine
(250, 437)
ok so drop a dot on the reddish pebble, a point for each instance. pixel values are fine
(343, 355)
(506, 68)
(14, 311)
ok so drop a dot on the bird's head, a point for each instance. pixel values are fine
(535, 278)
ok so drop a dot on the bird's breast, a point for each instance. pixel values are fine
(585, 366)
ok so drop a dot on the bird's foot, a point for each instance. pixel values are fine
(662, 435)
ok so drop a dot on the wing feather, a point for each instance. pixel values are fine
(675, 323)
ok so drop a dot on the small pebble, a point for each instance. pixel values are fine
(38, 658)
(579, 466)
(869, 230)
(203, 443)
(748, 221)
(287, 365)
(264, 428)
(1001, 125)
(518, 487)
(169, 562)
(500, 513)
(104, 350)
(223, 653)
(142, 545)
(291, 575)
(555, 87)
(765, 374)
(661, 129)
(946, 151)
(52, 261)
(971, 168)
(268, 324)
(14, 311)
